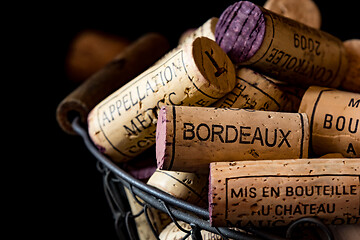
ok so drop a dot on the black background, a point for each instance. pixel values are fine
(55, 189)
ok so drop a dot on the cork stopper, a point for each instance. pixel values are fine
(187, 186)
(272, 193)
(205, 30)
(91, 50)
(121, 69)
(334, 121)
(304, 11)
(213, 64)
(351, 81)
(161, 138)
(240, 30)
(172, 232)
(197, 74)
(189, 138)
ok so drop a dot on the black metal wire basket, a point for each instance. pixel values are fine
(115, 180)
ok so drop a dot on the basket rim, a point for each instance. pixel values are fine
(159, 199)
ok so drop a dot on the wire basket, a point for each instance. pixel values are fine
(115, 180)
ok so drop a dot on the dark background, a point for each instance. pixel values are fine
(58, 191)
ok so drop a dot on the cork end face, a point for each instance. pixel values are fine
(161, 138)
(67, 110)
(240, 31)
(214, 64)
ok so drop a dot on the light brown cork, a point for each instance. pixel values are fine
(205, 30)
(334, 121)
(346, 232)
(269, 193)
(259, 92)
(125, 66)
(123, 125)
(304, 11)
(186, 186)
(332, 155)
(158, 219)
(352, 79)
(172, 232)
(91, 50)
(299, 54)
(189, 138)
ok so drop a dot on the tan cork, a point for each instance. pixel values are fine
(123, 125)
(189, 138)
(259, 92)
(304, 11)
(334, 121)
(125, 66)
(269, 193)
(299, 54)
(186, 186)
(172, 232)
(205, 30)
(158, 219)
(352, 79)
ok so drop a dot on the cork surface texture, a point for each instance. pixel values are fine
(334, 121)
(256, 91)
(287, 50)
(274, 193)
(189, 138)
(123, 125)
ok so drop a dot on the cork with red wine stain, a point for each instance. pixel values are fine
(279, 47)
(189, 138)
(240, 30)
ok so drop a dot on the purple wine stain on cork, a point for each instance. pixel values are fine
(100, 148)
(240, 31)
(161, 138)
(140, 173)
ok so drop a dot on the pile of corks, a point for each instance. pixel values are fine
(254, 116)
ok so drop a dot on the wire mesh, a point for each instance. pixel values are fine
(115, 180)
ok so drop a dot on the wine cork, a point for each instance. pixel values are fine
(125, 66)
(334, 121)
(158, 219)
(256, 91)
(332, 155)
(304, 11)
(172, 232)
(90, 51)
(123, 125)
(185, 35)
(186, 186)
(346, 232)
(270, 193)
(189, 138)
(352, 78)
(205, 30)
(280, 47)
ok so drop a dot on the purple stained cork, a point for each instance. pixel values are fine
(240, 30)
(161, 138)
